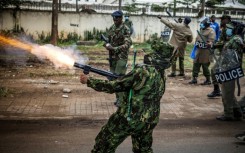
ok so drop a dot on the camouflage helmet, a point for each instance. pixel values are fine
(160, 54)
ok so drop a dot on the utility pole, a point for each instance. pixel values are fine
(202, 8)
(174, 14)
(77, 6)
(54, 29)
(60, 5)
(120, 4)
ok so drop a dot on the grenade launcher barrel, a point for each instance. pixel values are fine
(88, 68)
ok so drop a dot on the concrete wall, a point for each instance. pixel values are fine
(34, 22)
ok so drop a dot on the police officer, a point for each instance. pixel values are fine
(225, 19)
(215, 26)
(118, 46)
(232, 110)
(202, 58)
(129, 23)
(148, 84)
(181, 35)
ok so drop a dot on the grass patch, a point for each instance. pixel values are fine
(4, 92)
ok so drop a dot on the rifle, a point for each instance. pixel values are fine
(106, 40)
(88, 68)
(170, 15)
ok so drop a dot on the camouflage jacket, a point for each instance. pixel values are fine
(119, 38)
(231, 55)
(236, 43)
(148, 86)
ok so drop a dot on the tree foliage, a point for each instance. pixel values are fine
(157, 8)
(131, 8)
(212, 3)
(6, 3)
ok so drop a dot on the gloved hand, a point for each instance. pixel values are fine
(83, 79)
(209, 44)
(159, 16)
(109, 47)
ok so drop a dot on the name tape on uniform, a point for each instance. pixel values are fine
(229, 75)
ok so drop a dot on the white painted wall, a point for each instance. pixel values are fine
(35, 22)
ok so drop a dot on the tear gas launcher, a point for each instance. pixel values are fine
(88, 68)
(170, 15)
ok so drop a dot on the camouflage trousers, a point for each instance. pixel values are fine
(118, 129)
(228, 98)
(119, 67)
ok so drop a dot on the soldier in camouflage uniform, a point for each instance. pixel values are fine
(148, 83)
(202, 58)
(225, 19)
(118, 47)
(129, 24)
(232, 110)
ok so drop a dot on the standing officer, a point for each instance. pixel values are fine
(181, 35)
(202, 54)
(215, 26)
(129, 23)
(147, 82)
(118, 47)
(225, 19)
(232, 110)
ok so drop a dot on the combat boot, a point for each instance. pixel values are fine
(181, 74)
(193, 81)
(206, 82)
(216, 92)
(237, 114)
(224, 118)
(172, 75)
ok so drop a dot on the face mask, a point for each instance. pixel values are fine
(229, 32)
(202, 26)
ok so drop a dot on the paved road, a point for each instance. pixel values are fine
(42, 98)
(77, 136)
(36, 119)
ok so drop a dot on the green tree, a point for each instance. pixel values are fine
(6, 3)
(131, 8)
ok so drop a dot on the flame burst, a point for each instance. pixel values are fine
(59, 57)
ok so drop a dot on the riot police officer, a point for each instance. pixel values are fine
(202, 58)
(231, 57)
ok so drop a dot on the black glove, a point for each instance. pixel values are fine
(159, 16)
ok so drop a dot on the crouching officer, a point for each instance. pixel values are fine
(229, 63)
(147, 82)
(202, 58)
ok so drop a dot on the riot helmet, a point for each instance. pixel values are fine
(204, 22)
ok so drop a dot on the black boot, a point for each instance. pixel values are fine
(224, 118)
(237, 114)
(216, 92)
(206, 82)
(172, 75)
(193, 81)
